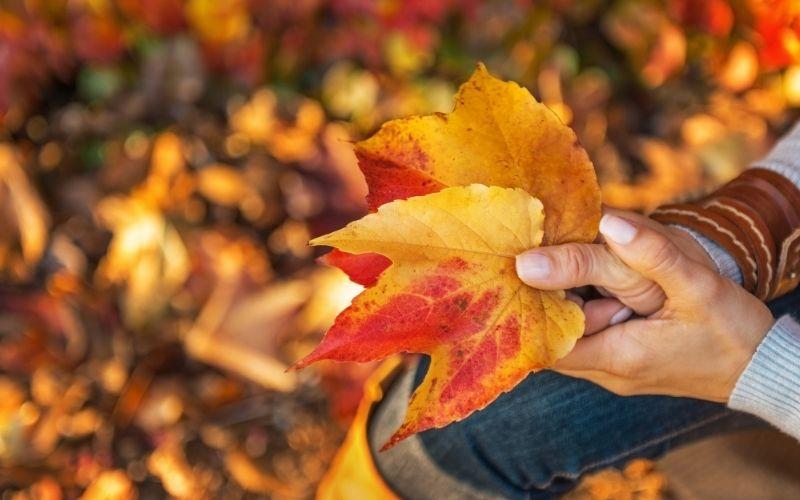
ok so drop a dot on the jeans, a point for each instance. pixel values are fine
(537, 440)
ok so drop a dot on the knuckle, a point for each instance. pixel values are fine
(648, 296)
(576, 262)
(651, 291)
(661, 256)
(635, 284)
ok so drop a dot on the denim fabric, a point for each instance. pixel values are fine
(538, 439)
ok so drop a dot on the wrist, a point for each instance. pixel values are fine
(751, 335)
(769, 387)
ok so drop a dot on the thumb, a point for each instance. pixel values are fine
(572, 265)
(652, 254)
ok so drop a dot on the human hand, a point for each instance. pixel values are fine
(576, 265)
(700, 329)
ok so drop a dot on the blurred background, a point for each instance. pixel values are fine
(164, 162)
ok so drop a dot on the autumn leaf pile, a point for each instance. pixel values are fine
(450, 289)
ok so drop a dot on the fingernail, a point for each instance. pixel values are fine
(533, 266)
(617, 230)
(621, 316)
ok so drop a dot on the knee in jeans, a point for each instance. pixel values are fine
(518, 443)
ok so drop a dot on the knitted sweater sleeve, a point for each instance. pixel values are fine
(770, 385)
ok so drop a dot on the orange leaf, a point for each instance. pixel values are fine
(499, 135)
(452, 292)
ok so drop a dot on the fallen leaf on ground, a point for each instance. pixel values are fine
(24, 221)
(639, 480)
(112, 484)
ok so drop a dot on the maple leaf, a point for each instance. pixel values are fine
(452, 292)
(498, 135)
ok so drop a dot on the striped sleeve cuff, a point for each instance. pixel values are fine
(785, 157)
(770, 385)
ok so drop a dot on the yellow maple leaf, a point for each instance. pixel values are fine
(453, 293)
(497, 135)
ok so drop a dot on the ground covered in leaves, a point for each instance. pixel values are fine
(163, 164)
